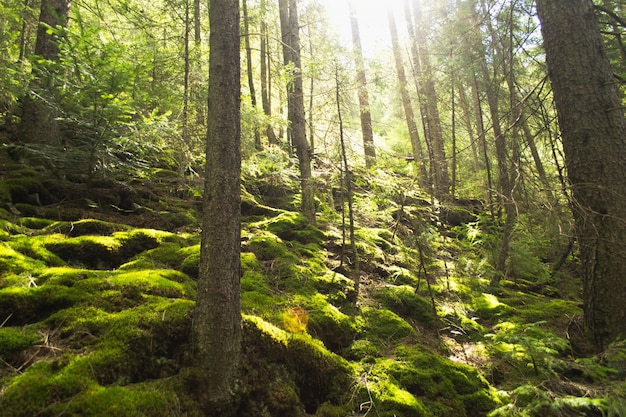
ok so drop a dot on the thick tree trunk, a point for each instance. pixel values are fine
(364, 102)
(217, 321)
(593, 128)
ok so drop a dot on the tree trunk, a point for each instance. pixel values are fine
(257, 134)
(348, 181)
(364, 103)
(40, 107)
(295, 102)
(593, 129)
(425, 77)
(265, 77)
(217, 321)
(418, 153)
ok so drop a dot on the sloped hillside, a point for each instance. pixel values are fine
(97, 288)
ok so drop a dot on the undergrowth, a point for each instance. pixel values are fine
(95, 313)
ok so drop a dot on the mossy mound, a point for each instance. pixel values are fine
(418, 382)
(104, 252)
(289, 375)
(403, 301)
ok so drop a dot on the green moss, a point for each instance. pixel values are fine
(488, 306)
(104, 252)
(35, 222)
(445, 388)
(267, 246)
(27, 305)
(15, 262)
(317, 375)
(191, 261)
(14, 340)
(328, 323)
(163, 282)
(391, 401)
(116, 401)
(34, 247)
(403, 301)
(386, 327)
(86, 227)
(68, 276)
(362, 349)
(249, 262)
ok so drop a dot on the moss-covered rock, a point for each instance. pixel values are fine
(385, 327)
(287, 374)
(104, 252)
(403, 301)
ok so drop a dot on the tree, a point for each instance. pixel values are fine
(428, 99)
(217, 321)
(40, 107)
(295, 102)
(418, 153)
(364, 102)
(593, 130)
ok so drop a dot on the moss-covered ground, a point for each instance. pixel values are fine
(96, 306)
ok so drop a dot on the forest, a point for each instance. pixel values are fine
(326, 208)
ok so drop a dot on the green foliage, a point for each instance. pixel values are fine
(529, 345)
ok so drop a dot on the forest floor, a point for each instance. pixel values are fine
(97, 288)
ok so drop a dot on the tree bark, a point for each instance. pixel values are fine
(295, 102)
(425, 77)
(364, 103)
(265, 77)
(217, 321)
(593, 129)
(40, 107)
(246, 24)
(418, 152)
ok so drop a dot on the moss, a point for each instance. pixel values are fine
(86, 227)
(328, 323)
(541, 308)
(35, 222)
(316, 375)
(488, 306)
(293, 226)
(94, 252)
(191, 262)
(267, 246)
(14, 340)
(68, 276)
(34, 247)
(386, 327)
(15, 262)
(27, 305)
(165, 282)
(116, 401)
(249, 262)
(450, 387)
(362, 349)
(403, 301)
(391, 400)
(104, 252)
